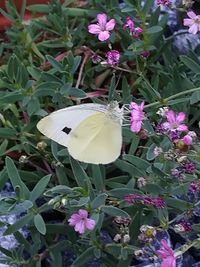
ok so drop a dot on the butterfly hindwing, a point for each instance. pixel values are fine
(96, 140)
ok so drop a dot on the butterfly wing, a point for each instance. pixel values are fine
(97, 140)
(54, 125)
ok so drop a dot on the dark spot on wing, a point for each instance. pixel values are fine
(66, 130)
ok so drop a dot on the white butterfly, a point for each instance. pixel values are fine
(91, 132)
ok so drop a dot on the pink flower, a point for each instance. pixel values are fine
(113, 57)
(167, 255)
(164, 2)
(193, 22)
(187, 139)
(137, 116)
(174, 121)
(102, 28)
(81, 222)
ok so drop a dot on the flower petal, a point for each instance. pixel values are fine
(83, 213)
(180, 117)
(102, 19)
(110, 25)
(191, 14)
(103, 36)
(80, 227)
(182, 128)
(188, 22)
(90, 224)
(94, 29)
(193, 29)
(136, 126)
(170, 115)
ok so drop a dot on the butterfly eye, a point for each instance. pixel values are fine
(66, 130)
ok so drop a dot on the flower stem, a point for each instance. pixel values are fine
(165, 100)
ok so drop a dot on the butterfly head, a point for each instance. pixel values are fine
(114, 111)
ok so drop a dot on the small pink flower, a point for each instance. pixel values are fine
(137, 32)
(129, 24)
(145, 54)
(137, 116)
(102, 28)
(187, 139)
(113, 57)
(167, 255)
(175, 121)
(81, 222)
(193, 22)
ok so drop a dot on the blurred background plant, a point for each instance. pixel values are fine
(50, 61)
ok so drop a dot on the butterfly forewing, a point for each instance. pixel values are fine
(53, 126)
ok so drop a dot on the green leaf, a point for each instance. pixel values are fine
(99, 201)
(3, 147)
(84, 258)
(19, 224)
(150, 152)
(15, 178)
(195, 97)
(191, 64)
(154, 29)
(40, 224)
(79, 173)
(98, 179)
(113, 211)
(178, 204)
(140, 163)
(127, 167)
(196, 227)
(7, 132)
(121, 192)
(58, 66)
(39, 188)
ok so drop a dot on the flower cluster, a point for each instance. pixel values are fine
(157, 202)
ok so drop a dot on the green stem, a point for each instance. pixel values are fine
(165, 100)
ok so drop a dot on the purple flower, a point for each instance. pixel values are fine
(137, 32)
(175, 122)
(102, 28)
(194, 187)
(167, 255)
(193, 22)
(189, 167)
(137, 116)
(157, 202)
(113, 57)
(145, 54)
(129, 24)
(80, 221)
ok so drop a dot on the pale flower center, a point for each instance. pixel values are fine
(197, 20)
(174, 125)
